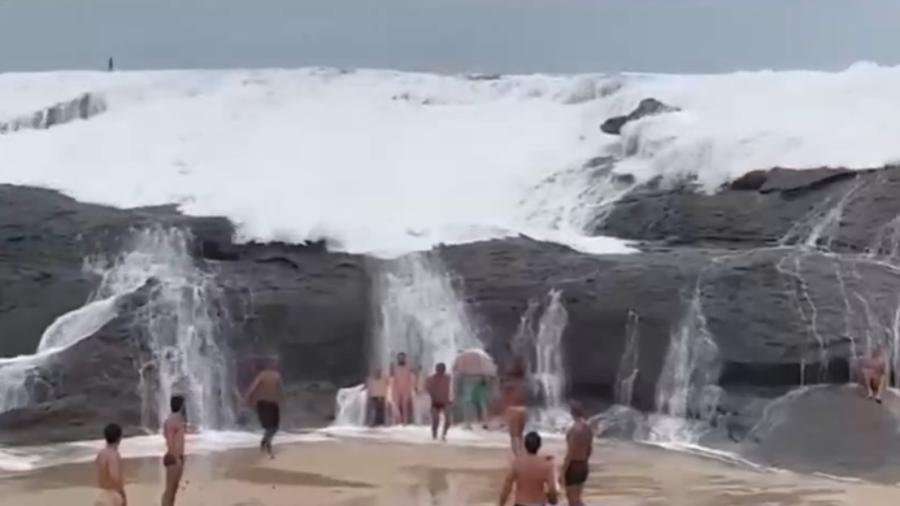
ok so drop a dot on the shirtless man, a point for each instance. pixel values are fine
(110, 482)
(874, 371)
(174, 430)
(438, 387)
(516, 413)
(532, 475)
(579, 445)
(403, 385)
(265, 395)
(376, 389)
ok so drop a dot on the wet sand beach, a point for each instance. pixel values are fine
(359, 472)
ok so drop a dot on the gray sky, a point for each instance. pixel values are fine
(450, 35)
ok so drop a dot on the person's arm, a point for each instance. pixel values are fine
(248, 397)
(552, 488)
(507, 486)
(115, 473)
(565, 462)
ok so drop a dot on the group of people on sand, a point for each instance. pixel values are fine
(264, 395)
(532, 477)
(391, 399)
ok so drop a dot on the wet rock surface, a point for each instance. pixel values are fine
(789, 274)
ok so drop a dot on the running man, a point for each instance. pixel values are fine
(403, 385)
(532, 476)
(265, 395)
(579, 446)
(376, 390)
(110, 482)
(438, 387)
(174, 430)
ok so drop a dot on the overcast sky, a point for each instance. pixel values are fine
(450, 35)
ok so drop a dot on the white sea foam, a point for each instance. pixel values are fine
(27, 458)
(388, 162)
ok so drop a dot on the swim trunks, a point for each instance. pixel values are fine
(269, 415)
(439, 406)
(576, 473)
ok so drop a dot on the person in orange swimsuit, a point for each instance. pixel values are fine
(515, 397)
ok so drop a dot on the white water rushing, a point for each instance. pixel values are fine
(540, 339)
(419, 313)
(180, 323)
(474, 159)
(686, 391)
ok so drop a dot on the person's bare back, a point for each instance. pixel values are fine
(266, 387)
(580, 439)
(174, 429)
(110, 481)
(532, 476)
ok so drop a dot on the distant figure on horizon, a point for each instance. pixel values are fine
(579, 446)
(403, 386)
(514, 400)
(874, 373)
(110, 66)
(174, 429)
(110, 481)
(438, 387)
(265, 395)
(532, 476)
(376, 405)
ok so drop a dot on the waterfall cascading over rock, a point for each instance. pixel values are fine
(182, 326)
(419, 313)
(687, 393)
(628, 365)
(539, 341)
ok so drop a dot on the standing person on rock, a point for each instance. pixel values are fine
(874, 372)
(174, 430)
(265, 395)
(579, 446)
(110, 482)
(403, 386)
(438, 388)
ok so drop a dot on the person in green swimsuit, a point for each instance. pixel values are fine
(478, 397)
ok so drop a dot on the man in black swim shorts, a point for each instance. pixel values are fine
(265, 394)
(438, 387)
(579, 446)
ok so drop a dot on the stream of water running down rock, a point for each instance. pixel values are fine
(183, 324)
(686, 392)
(420, 313)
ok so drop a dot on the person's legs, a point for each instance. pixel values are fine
(881, 384)
(573, 495)
(435, 421)
(867, 381)
(173, 480)
(379, 411)
(448, 419)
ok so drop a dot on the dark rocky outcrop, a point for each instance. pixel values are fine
(84, 106)
(647, 107)
(763, 209)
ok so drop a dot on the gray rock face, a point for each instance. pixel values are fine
(852, 209)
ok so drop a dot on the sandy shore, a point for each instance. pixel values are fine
(356, 472)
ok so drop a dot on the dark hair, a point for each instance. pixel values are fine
(176, 403)
(440, 367)
(532, 442)
(112, 433)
